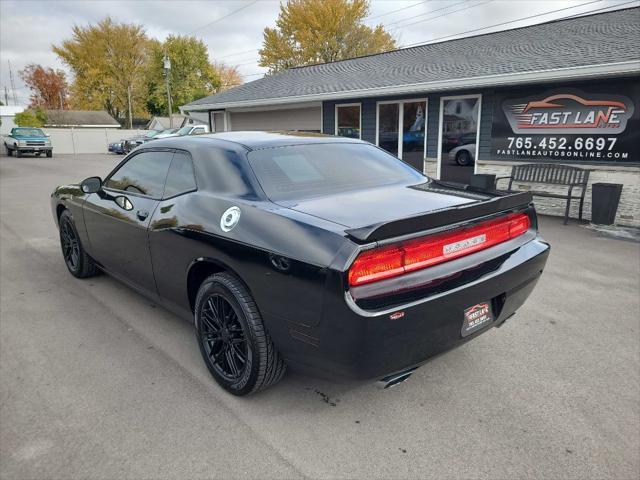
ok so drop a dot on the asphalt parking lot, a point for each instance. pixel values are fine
(97, 382)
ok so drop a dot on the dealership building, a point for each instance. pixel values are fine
(565, 92)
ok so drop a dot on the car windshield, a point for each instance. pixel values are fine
(184, 131)
(29, 132)
(152, 133)
(304, 171)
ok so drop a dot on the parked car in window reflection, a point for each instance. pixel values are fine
(463, 155)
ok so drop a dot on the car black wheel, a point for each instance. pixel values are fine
(234, 344)
(463, 158)
(49, 153)
(9, 151)
(18, 153)
(78, 262)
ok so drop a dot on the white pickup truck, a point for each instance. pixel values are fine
(186, 130)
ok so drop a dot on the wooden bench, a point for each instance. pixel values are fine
(551, 174)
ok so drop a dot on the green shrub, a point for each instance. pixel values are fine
(31, 118)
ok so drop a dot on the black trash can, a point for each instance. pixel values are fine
(605, 198)
(483, 181)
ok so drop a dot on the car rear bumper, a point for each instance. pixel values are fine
(355, 343)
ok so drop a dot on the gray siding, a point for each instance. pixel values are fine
(486, 121)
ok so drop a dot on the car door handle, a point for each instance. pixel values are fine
(124, 203)
(142, 214)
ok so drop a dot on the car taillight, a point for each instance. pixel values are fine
(391, 261)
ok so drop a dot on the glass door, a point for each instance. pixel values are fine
(413, 126)
(401, 130)
(459, 118)
(388, 127)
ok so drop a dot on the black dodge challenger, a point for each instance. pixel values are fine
(321, 253)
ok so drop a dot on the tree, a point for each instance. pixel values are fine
(49, 88)
(31, 118)
(317, 31)
(107, 61)
(192, 76)
(229, 76)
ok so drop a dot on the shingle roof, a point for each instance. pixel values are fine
(79, 118)
(605, 38)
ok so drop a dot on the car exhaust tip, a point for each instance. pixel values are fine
(395, 379)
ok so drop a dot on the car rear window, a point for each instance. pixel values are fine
(303, 171)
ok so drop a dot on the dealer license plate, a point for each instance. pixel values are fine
(476, 318)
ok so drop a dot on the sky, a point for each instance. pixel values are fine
(232, 29)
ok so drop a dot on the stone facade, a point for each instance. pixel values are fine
(628, 210)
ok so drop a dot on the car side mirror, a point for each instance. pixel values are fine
(91, 185)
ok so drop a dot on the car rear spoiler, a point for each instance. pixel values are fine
(501, 202)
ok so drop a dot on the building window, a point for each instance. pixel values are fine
(348, 120)
(401, 129)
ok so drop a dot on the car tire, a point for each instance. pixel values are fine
(78, 262)
(9, 151)
(49, 153)
(463, 158)
(18, 153)
(229, 327)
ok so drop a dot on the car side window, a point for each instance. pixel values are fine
(181, 177)
(144, 174)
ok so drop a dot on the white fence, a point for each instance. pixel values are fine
(86, 140)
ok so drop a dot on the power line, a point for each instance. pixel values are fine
(432, 11)
(502, 23)
(427, 13)
(394, 11)
(223, 17)
(460, 33)
(246, 63)
(443, 15)
(377, 16)
(608, 8)
(239, 53)
(253, 74)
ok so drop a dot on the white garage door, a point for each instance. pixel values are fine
(307, 118)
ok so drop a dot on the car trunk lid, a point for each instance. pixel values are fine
(391, 211)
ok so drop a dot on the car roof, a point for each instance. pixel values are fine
(253, 140)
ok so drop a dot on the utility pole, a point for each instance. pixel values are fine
(13, 85)
(61, 102)
(167, 72)
(6, 96)
(129, 102)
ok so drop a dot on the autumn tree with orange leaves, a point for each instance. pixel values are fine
(49, 87)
